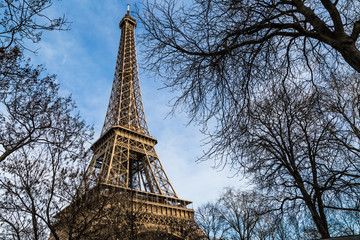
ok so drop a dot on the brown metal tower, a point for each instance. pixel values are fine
(124, 156)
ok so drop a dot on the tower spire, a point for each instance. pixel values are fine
(125, 107)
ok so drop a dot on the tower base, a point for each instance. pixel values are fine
(107, 212)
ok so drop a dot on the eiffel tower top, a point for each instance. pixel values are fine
(125, 107)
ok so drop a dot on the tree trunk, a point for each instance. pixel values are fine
(350, 54)
(321, 224)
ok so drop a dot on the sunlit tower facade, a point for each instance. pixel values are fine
(124, 157)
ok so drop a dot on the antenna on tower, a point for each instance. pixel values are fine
(128, 10)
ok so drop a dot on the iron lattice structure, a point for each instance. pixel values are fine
(125, 106)
(124, 156)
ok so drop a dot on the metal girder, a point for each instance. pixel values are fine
(125, 153)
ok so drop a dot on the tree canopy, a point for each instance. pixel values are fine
(220, 53)
(43, 139)
(21, 20)
(275, 85)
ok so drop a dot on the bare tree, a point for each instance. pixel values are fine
(289, 149)
(250, 215)
(22, 19)
(341, 101)
(346, 223)
(47, 196)
(261, 69)
(237, 215)
(219, 53)
(244, 214)
(33, 112)
(31, 109)
(42, 149)
(37, 182)
(42, 140)
(208, 218)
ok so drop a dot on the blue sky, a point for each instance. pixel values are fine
(84, 61)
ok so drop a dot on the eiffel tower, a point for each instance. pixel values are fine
(124, 155)
(125, 160)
